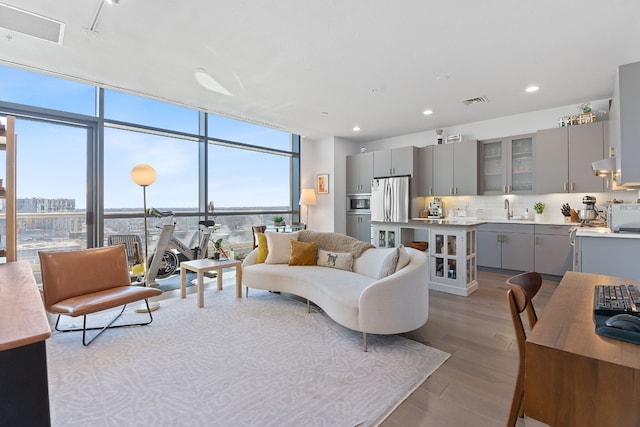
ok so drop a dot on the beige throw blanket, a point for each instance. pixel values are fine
(335, 242)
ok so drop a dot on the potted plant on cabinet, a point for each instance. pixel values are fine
(539, 208)
(278, 221)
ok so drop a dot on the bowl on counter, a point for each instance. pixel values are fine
(419, 245)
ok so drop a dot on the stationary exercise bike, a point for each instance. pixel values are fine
(172, 250)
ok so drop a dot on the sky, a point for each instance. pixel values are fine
(52, 158)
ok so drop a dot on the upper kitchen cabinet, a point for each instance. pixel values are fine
(563, 158)
(507, 165)
(425, 162)
(455, 169)
(394, 162)
(359, 173)
(625, 126)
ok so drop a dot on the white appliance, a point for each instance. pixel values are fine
(624, 217)
(390, 199)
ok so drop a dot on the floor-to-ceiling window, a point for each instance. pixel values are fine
(81, 156)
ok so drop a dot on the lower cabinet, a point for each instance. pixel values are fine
(452, 260)
(525, 247)
(359, 226)
(612, 256)
(386, 236)
(506, 246)
(553, 251)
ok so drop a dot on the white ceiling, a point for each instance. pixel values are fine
(319, 67)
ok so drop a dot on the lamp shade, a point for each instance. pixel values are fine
(143, 174)
(308, 197)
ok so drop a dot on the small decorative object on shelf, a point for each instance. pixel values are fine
(585, 116)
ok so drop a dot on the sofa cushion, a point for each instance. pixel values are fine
(303, 253)
(403, 258)
(262, 248)
(279, 246)
(341, 260)
(376, 261)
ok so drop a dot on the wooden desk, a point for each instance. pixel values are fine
(574, 377)
(201, 266)
(24, 327)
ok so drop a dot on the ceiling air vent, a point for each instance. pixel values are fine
(478, 100)
(23, 22)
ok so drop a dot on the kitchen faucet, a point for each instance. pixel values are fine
(508, 208)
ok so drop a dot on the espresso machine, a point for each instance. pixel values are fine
(435, 208)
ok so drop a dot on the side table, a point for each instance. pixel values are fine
(201, 266)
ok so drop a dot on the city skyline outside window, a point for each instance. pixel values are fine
(248, 174)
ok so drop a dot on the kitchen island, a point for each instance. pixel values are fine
(452, 249)
(598, 250)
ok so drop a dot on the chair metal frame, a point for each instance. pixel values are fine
(102, 328)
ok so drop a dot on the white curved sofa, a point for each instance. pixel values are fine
(356, 299)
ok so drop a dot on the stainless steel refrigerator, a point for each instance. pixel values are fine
(390, 199)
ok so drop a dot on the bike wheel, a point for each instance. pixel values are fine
(168, 264)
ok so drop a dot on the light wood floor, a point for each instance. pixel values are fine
(475, 385)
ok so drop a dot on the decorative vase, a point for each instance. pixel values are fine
(538, 217)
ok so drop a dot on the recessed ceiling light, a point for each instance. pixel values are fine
(356, 128)
(532, 88)
(324, 113)
(206, 81)
(427, 112)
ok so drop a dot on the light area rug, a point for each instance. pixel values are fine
(257, 361)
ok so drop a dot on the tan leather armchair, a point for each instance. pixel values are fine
(86, 281)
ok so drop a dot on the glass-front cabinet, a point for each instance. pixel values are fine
(453, 259)
(507, 165)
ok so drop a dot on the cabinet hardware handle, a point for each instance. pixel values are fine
(509, 189)
(505, 189)
(455, 190)
(498, 236)
(431, 191)
(573, 187)
(564, 187)
(537, 240)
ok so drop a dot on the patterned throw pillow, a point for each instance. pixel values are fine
(303, 253)
(389, 264)
(341, 260)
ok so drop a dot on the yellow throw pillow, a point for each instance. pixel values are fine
(263, 250)
(303, 253)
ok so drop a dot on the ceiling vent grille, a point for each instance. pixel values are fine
(478, 100)
(30, 24)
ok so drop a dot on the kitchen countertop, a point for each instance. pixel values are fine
(604, 232)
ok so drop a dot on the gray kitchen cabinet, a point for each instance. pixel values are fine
(613, 256)
(563, 158)
(359, 173)
(553, 250)
(625, 126)
(507, 165)
(455, 169)
(394, 162)
(359, 226)
(511, 244)
(425, 162)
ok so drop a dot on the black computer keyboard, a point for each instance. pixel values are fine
(609, 300)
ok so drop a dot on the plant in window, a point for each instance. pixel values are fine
(278, 220)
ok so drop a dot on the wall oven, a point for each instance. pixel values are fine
(359, 203)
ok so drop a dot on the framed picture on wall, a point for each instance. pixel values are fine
(322, 184)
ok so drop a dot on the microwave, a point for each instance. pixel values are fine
(623, 217)
(359, 203)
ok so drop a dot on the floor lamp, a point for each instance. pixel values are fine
(308, 198)
(144, 175)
